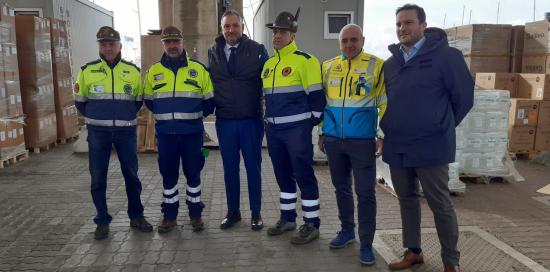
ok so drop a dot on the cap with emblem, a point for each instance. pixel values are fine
(171, 33)
(107, 33)
(285, 20)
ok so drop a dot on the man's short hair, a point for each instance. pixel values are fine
(233, 12)
(420, 14)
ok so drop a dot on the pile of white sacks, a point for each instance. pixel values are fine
(481, 142)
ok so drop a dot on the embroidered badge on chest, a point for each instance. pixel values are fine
(338, 68)
(158, 77)
(99, 89)
(193, 73)
(266, 73)
(286, 71)
(128, 89)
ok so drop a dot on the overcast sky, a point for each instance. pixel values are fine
(379, 21)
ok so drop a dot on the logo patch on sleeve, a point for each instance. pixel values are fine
(286, 71)
(158, 77)
(193, 73)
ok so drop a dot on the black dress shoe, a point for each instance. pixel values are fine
(256, 223)
(230, 220)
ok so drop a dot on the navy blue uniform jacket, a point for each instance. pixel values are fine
(427, 98)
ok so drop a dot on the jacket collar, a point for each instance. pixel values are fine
(290, 48)
(174, 64)
(343, 57)
(112, 66)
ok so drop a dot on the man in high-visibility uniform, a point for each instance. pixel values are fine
(294, 104)
(178, 91)
(108, 94)
(356, 100)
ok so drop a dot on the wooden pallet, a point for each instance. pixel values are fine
(482, 179)
(47, 147)
(523, 154)
(14, 159)
(67, 140)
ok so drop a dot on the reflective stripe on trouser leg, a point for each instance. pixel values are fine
(192, 162)
(169, 161)
(283, 172)
(300, 149)
(310, 210)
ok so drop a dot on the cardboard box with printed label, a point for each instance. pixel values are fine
(536, 39)
(536, 64)
(483, 39)
(499, 81)
(542, 139)
(522, 138)
(523, 112)
(67, 122)
(12, 139)
(40, 132)
(534, 86)
(543, 121)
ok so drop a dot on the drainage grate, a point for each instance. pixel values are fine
(479, 250)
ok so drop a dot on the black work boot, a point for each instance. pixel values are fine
(141, 224)
(101, 232)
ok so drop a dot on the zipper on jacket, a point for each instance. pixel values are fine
(174, 91)
(344, 101)
(113, 88)
(350, 93)
(273, 82)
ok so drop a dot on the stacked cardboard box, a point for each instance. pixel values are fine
(486, 48)
(37, 90)
(523, 123)
(536, 48)
(11, 108)
(66, 114)
(498, 81)
(151, 52)
(516, 48)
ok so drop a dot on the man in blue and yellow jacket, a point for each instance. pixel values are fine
(179, 92)
(356, 100)
(108, 94)
(294, 104)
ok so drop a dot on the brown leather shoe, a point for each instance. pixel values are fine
(451, 268)
(167, 225)
(409, 259)
(197, 224)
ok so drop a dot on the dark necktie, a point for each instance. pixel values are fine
(232, 63)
